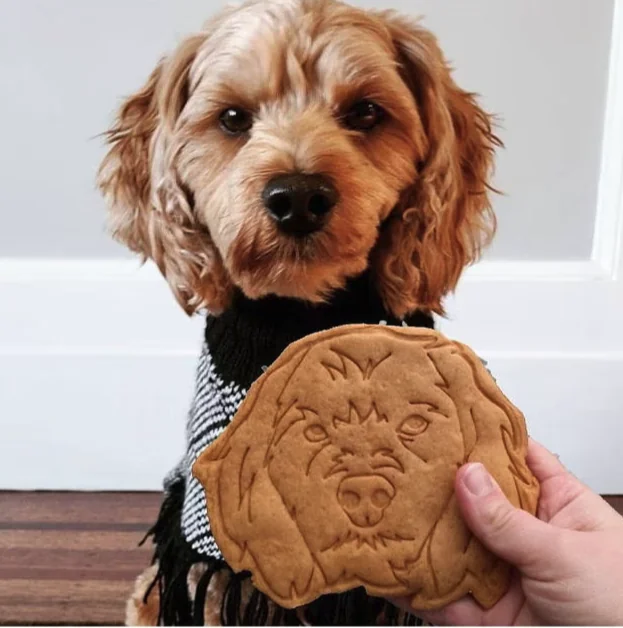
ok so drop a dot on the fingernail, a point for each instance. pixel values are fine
(477, 480)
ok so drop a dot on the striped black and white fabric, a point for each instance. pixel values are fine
(213, 407)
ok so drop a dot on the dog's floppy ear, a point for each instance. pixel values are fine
(494, 434)
(445, 218)
(249, 520)
(150, 209)
(493, 429)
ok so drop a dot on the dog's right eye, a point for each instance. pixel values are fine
(412, 426)
(236, 120)
(363, 116)
(315, 433)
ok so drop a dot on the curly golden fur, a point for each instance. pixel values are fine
(414, 204)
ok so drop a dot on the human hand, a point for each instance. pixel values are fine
(569, 560)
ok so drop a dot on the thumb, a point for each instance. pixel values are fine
(510, 533)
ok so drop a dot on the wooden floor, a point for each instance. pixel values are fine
(71, 558)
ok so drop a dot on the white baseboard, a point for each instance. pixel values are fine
(115, 421)
(52, 305)
(573, 405)
(92, 422)
(97, 366)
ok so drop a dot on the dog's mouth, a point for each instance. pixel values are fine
(355, 539)
(265, 261)
(303, 246)
(317, 250)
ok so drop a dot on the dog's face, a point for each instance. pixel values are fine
(361, 455)
(339, 469)
(296, 144)
(292, 144)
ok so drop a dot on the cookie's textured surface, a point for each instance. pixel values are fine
(338, 469)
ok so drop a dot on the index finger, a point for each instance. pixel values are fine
(463, 612)
(542, 462)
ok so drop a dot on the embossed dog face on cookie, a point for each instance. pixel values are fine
(338, 469)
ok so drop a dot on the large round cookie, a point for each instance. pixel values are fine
(338, 469)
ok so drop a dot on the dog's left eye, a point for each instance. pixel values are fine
(412, 426)
(363, 116)
(236, 120)
(315, 433)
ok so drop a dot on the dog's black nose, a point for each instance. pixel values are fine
(300, 203)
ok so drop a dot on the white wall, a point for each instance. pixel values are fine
(96, 360)
(65, 64)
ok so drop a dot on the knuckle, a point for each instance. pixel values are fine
(500, 517)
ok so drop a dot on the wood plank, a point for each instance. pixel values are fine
(72, 558)
(69, 539)
(616, 501)
(57, 507)
(77, 602)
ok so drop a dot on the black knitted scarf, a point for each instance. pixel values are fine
(238, 345)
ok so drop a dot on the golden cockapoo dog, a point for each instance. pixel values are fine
(295, 160)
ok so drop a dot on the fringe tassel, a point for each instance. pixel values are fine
(257, 611)
(231, 611)
(176, 558)
(201, 594)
